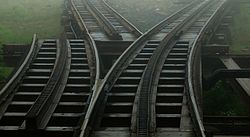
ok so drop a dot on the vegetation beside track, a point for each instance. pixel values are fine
(222, 100)
(241, 30)
(4, 73)
(20, 19)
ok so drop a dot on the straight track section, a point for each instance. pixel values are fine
(127, 31)
(103, 22)
(90, 20)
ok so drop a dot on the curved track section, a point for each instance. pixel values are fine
(118, 106)
(50, 93)
(149, 91)
(73, 93)
(54, 89)
(93, 57)
(53, 94)
(90, 82)
(193, 81)
(164, 84)
(5, 91)
(34, 82)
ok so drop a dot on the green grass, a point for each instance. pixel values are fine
(222, 100)
(5, 72)
(241, 30)
(20, 19)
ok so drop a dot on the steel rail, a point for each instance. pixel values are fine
(127, 54)
(32, 70)
(199, 127)
(148, 79)
(72, 29)
(124, 21)
(91, 41)
(96, 60)
(9, 86)
(92, 45)
(58, 90)
(37, 113)
(115, 71)
(78, 17)
(70, 23)
(104, 22)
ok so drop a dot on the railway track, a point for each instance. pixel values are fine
(149, 91)
(73, 94)
(145, 93)
(55, 88)
(34, 81)
(53, 93)
(56, 83)
(121, 25)
(102, 21)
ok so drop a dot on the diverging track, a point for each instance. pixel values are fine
(147, 92)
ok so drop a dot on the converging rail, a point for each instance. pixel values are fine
(104, 23)
(33, 83)
(52, 91)
(5, 91)
(146, 92)
(151, 90)
(72, 95)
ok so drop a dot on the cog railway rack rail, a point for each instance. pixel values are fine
(152, 89)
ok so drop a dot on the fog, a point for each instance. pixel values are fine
(146, 13)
